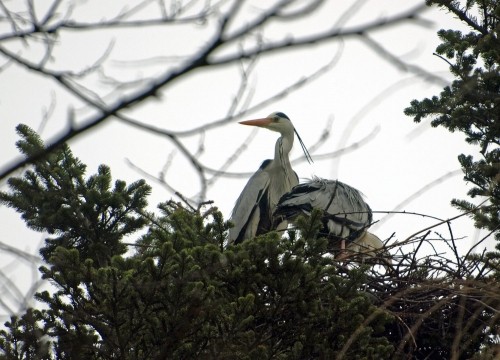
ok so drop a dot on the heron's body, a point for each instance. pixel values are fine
(273, 197)
(346, 216)
(253, 212)
(366, 246)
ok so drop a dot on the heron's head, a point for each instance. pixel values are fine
(277, 121)
(281, 123)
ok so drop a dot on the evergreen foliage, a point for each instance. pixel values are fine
(85, 214)
(182, 294)
(471, 104)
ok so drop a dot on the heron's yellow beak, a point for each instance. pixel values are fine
(257, 122)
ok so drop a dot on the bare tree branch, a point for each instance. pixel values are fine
(206, 57)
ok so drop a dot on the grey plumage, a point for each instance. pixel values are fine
(346, 215)
(253, 212)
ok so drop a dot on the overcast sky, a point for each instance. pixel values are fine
(360, 100)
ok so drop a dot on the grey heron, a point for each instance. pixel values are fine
(253, 212)
(346, 216)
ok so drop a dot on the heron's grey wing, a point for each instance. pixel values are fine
(246, 212)
(346, 210)
(300, 200)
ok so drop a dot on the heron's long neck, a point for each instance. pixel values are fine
(282, 149)
(282, 177)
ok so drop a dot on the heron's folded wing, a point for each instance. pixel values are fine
(347, 202)
(248, 203)
(343, 206)
(301, 199)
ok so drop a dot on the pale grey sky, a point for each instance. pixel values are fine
(361, 94)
